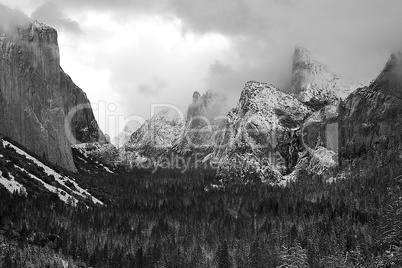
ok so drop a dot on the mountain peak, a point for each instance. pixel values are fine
(267, 100)
(390, 79)
(196, 96)
(157, 133)
(303, 57)
(312, 82)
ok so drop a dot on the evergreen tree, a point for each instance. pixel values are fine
(139, 258)
(223, 256)
(256, 259)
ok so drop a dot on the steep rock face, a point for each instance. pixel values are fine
(321, 128)
(312, 82)
(261, 138)
(320, 140)
(84, 127)
(36, 95)
(371, 117)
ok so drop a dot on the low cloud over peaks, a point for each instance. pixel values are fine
(209, 44)
(52, 14)
(219, 69)
(11, 19)
(152, 88)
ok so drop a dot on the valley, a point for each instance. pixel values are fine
(307, 175)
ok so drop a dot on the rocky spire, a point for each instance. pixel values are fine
(313, 83)
(389, 81)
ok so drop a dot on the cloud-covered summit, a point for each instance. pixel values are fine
(10, 19)
(207, 44)
(52, 13)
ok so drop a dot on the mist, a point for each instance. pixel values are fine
(11, 19)
(134, 53)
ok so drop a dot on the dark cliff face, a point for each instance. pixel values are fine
(371, 117)
(321, 128)
(36, 95)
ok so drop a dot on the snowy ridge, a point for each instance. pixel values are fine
(266, 100)
(88, 153)
(64, 181)
(63, 196)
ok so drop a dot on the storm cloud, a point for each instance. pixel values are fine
(353, 37)
(10, 19)
(219, 45)
(52, 14)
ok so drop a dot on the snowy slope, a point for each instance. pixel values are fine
(95, 158)
(157, 134)
(12, 185)
(30, 173)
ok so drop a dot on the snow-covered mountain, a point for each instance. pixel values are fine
(313, 83)
(26, 173)
(260, 137)
(270, 135)
(156, 135)
(274, 136)
(172, 133)
(95, 158)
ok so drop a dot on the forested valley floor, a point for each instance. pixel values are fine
(170, 219)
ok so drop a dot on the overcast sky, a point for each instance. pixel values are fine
(136, 52)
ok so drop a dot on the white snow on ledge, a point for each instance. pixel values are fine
(83, 147)
(63, 196)
(59, 178)
(12, 185)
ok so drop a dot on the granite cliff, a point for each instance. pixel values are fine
(371, 117)
(36, 95)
